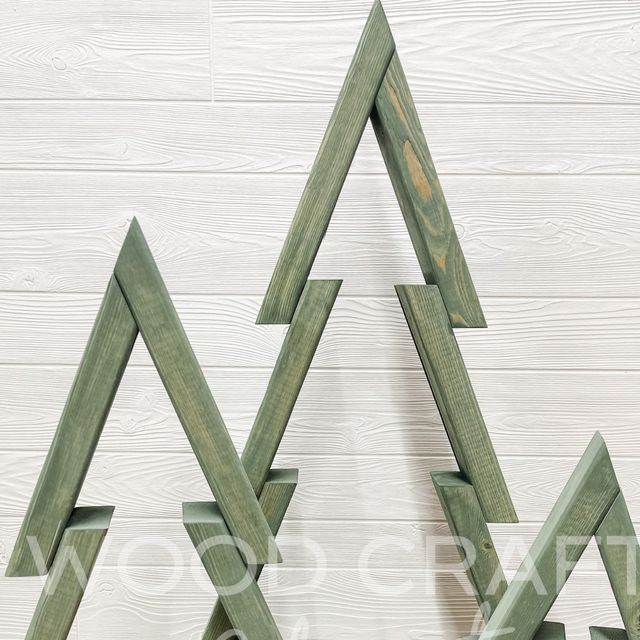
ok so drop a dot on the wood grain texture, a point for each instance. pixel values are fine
(607, 633)
(170, 349)
(344, 411)
(576, 516)
(71, 569)
(472, 538)
(421, 199)
(595, 334)
(329, 170)
(446, 372)
(275, 497)
(620, 552)
(454, 52)
(105, 50)
(489, 139)
(85, 412)
(153, 485)
(289, 372)
(238, 591)
(583, 229)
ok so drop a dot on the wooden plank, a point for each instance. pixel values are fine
(235, 583)
(445, 369)
(329, 170)
(298, 349)
(86, 410)
(576, 516)
(170, 349)
(473, 539)
(71, 569)
(101, 49)
(421, 198)
(275, 498)
(463, 51)
(620, 553)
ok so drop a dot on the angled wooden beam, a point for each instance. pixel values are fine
(66, 582)
(468, 526)
(167, 342)
(620, 553)
(243, 608)
(85, 413)
(287, 377)
(442, 362)
(576, 516)
(421, 198)
(329, 170)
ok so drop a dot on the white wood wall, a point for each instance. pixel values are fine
(203, 120)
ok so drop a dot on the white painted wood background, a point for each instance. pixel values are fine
(202, 120)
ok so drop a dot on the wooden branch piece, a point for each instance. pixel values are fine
(421, 199)
(66, 582)
(443, 364)
(85, 413)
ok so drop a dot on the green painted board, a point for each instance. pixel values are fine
(607, 633)
(274, 500)
(548, 631)
(441, 359)
(66, 582)
(579, 511)
(620, 553)
(473, 539)
(244, 609)
(85, 413)
(421, 198)
(286, 380)
(330, 169)
(167, 342)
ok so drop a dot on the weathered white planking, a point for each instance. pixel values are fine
(452, 51)
(496, 138)
(560, 236)
(167, 604)
(105, 49)
(336, 544)
(346, 411)
(153, 485)
(361, 332)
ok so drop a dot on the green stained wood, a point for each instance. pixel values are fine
(246, 610)
(330, 169)
(421, 198)
(576, 516)
(287, 377)
(473, 539)
(66, 582)
(620, 553)
(607, 633)
(441, 359)
(167, 342)
(548, 631)
(85, 413)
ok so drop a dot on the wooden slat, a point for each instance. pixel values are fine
(237, 588)
(88, 404)
(421, 198)
(329, 170)
(275, 498)
(620, 552)
(289, 373)
(156, 317)
(441, 359)
(72, 566)
(576, 516)
(468, 526)
(607, 633)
